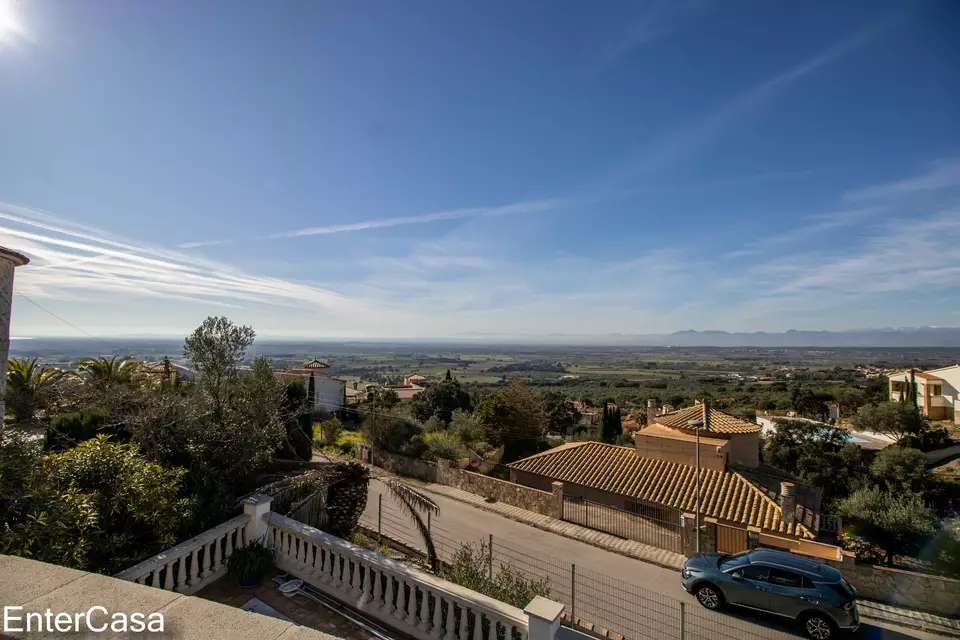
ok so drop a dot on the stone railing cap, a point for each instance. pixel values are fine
(17, 258)
(544, 609)
(257, 498)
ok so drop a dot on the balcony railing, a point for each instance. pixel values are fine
(191, 565)
(416, 602)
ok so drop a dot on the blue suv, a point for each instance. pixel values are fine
(775, 582)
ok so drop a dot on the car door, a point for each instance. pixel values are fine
(747, 586)
(790, 593)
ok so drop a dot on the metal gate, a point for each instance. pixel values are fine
(664, 534)
(731, 539)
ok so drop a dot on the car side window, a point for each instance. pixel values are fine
(786, 578)
(755, 572)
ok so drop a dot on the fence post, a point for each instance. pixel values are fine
(490, 562)
(573, 592)
(379, 518)
(256, 506)
(682, 621)
(543, 618)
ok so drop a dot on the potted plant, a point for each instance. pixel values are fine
(249, 564)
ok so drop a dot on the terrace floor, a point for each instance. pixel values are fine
(299, 609)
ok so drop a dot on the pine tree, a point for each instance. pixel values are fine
(311, 392)
(448, 376)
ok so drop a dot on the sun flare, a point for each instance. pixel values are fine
(9, 20)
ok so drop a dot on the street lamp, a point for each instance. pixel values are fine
(697, 425)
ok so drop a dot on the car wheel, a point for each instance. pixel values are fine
(818, 626)
(709, 596)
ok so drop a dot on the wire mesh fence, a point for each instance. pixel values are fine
(592, 599)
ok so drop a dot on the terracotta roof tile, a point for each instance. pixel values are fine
(719, 421)
(724, 495)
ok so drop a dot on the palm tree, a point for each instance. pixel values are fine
(28, 387)
(103, 370)
(345, 484)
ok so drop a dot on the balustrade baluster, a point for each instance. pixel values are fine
(437, 630)
(388, 600)
(168, 576)
(182, 573)
(462, 624)
(217, 554)
(229, 550)
(425, 611)
(368, 583)
(354, 577)
(401, 610)
(477, 625)
(492, 629)
(411, 617)
(194, 567)
(208, 557)
(325, 566)
(378, 588)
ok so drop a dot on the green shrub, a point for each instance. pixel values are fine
(900, 523)
(249, 561)
(470, 568)
(329, 431)
(441, 444)
(67, 430)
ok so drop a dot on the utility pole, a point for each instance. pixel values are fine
(697, 425)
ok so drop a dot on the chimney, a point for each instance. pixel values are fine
(788, 494)
(651, 410)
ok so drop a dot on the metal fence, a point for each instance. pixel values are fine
(597, 601)
(664, 534)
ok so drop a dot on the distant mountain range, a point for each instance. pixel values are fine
(903, 337)
(888, 337)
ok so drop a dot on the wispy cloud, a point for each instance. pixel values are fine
(73, 262)
(682, 143)
(940, 174)
(654, 20)
(533, 206)
(203, 243)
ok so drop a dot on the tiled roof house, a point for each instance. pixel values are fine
(660, 471)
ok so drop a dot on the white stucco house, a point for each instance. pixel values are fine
(937, 391)
(328, 392)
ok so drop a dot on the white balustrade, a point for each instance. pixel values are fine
(387, 590)
(205, 554)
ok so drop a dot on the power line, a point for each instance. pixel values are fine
(69, 324)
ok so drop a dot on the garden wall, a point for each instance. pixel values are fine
(404, 466)
(548, 504)
(934, 594)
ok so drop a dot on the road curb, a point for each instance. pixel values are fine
(866, 613)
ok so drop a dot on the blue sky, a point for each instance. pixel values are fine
(441, 169)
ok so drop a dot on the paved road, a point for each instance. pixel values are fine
(649, 608)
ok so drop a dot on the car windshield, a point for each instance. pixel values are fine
(732, 559)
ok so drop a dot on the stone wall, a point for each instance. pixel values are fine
(934, 594)
(404, 466)
(548, 504)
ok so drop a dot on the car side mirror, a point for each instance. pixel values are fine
(738, 574)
